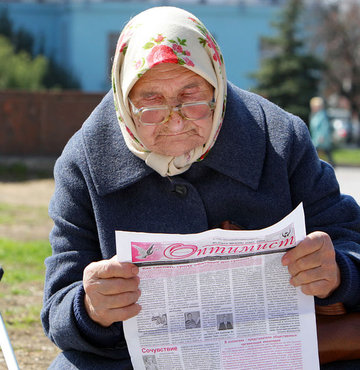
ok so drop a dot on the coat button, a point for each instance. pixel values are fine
(181, 190)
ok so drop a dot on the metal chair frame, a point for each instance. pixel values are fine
(5, 343)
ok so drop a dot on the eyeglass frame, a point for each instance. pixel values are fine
(177, 108)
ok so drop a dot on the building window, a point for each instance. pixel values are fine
(112, 40)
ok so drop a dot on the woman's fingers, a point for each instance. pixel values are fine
(312, 265)
(111, 291)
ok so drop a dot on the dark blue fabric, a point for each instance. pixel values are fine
(71, 360)
(261, 167)
(342, 365)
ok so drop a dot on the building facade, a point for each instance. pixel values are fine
(81, 35)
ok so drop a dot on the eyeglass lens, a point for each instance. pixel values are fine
(159, 115)
(154, 115)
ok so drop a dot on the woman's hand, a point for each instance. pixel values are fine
(111, 291)
(312, 265)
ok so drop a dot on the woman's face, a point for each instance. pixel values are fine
(172, 84)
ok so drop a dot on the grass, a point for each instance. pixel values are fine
(343, 156)
(22, 317)
(23, 263)
(6, 214)
(15, 170)
(19, 171)
(11, 214)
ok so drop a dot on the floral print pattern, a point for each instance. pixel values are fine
(163, 50)
(161, 54)
(209, 41)
(125, 36)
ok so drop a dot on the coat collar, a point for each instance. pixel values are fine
(239, 150)
(112, 166)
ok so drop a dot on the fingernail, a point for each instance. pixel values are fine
(135, 270)
(284, 261)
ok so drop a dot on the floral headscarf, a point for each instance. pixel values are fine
(166, 35)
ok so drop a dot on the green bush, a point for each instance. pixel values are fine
(21, 67)
(20, 70)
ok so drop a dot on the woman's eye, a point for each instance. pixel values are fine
(153, 101)
(190, 97)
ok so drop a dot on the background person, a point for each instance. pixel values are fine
(180, 151)
(320, 129)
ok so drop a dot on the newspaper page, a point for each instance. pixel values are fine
(220, 299)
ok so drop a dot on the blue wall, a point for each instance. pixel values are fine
(77, 34)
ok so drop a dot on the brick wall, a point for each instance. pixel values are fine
(40, 123)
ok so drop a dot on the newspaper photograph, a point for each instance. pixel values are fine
(219, 299)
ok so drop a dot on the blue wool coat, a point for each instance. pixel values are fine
(262, 165)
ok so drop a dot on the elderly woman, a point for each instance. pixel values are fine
(180, 151)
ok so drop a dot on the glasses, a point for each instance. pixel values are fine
(150, 116)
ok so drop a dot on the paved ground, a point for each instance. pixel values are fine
(349, 180)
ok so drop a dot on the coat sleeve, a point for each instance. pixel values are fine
(314, 183)
(75, 244)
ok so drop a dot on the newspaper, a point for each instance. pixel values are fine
(220, 299)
